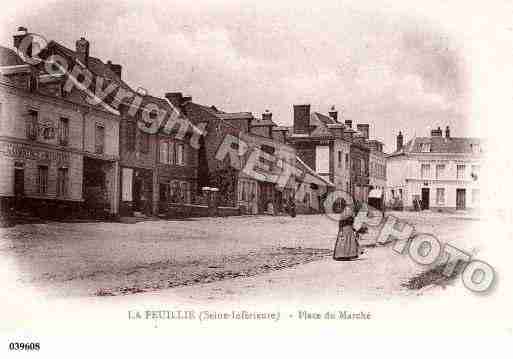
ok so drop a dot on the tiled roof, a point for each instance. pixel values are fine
(234, 115)
(439, 144)
(95, 65)
(9, 57)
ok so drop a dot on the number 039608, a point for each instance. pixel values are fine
(24, 346)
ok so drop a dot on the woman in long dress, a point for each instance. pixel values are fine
(347, 246)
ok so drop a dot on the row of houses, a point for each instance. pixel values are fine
(64, 152)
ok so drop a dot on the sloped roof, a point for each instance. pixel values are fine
(234, 115)
(439, 144)
(95, 65)
(307, 169)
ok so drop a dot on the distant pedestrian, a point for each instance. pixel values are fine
(347, 246)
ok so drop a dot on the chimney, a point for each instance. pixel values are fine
(447, 132)
(19, 36)
(82, 49)
(349, 123)
(302, 119)
(267, 116)
(116, 68)
(437, 132)
(399, 141)
(364, 129)
(333, 114)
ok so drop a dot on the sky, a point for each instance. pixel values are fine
(392, 64)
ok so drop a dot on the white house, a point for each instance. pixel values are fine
(437, 172)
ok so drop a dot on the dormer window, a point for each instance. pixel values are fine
(425, 147)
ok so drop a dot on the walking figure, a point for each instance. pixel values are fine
(347, 246)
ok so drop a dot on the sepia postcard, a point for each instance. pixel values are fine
(216, 178)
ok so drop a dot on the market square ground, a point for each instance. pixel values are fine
(215, 258)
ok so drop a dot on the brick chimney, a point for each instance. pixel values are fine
(116, 68)
(447, 132)
(18, 37)
(82, 50)
(399, 141)
(349, 123)
(333, 114)
(267, 116)
(437, 132)
(364, 129)
(302, 119)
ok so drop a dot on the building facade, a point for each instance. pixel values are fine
(59, 155)
(334, 150)
(439, 172)
(377, 166)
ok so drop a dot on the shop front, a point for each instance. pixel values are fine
(39, 180)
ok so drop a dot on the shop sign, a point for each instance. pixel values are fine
(21, 151)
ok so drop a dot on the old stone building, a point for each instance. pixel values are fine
(60, 154)
(332, 149)
(436, 172)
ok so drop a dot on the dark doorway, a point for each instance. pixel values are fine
(19, 186)
(94, 187)
(425, 198)
(137, 195)
(460, 198)
(19, 182)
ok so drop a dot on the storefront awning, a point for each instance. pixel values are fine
(375, 193)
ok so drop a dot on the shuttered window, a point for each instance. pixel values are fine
(99, 139)
(63, 131)
(164, 151)
(42, 179)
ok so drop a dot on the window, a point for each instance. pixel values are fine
(347, 161)
(339, 158)
(440, 171)
(42, 179)
(400, 193)
(475, 196)
(440, 196)
(171, 155)
(475, 148)
(425, 147)
(424, 170)
(180, 154)
(63, 131)
(144, 142)
(99, 142)
(32, 124)
(362, 166)
(62, 182)
(460, 171)
(164, 152)
(130, 128)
